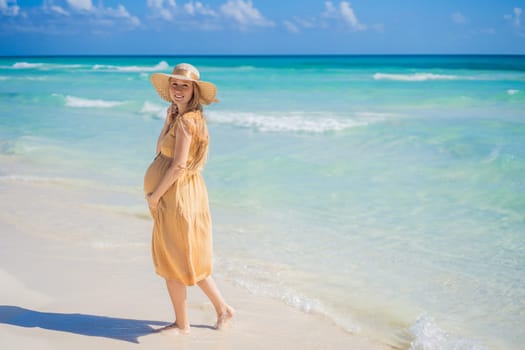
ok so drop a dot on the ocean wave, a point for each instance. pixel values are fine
(293, 122)
(245, 68)
(512, 91)
(27, 144)
(228, 68)
(417, 77)
(24, 78)
(44, 66)
(163, 65)
(153, 110)
(26, 65)
(287, 295)
(78, 102)
(307, 122)
(428, 336)
(259, 279)
(278, 122)
(34, 78)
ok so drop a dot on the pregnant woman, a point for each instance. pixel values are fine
(177, 195)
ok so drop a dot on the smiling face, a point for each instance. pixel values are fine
(181, 91)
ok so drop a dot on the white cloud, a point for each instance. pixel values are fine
(345, 13)
(458, 18)
(305, 23)
(120, 12)
(244, 14)
(515, 18)
(164, 9)
(83, 5)
(195, 14)
(95, 15)
(296, 24)
(198, 8)
(291, 27)
(9, 8)
(349, 16)
(59, 10)
(50, 7)
(342, 13)
(330, 10)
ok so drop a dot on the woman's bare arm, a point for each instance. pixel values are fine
(170, 116)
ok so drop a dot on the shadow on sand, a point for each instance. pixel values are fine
(95, 326)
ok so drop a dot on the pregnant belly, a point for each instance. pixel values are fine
(155, 172)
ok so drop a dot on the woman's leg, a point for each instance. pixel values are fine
(224, 311)
(177, 293)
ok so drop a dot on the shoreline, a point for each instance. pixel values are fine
(63, 290)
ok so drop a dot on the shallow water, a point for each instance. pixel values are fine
(385, 192)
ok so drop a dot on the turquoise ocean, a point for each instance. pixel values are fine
(386, 193)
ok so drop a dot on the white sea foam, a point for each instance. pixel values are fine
(153, 110)
(259, 279)
(34, 78)
(29, 143)
(78, 102)
(266, 279)
(41, 66)
(287, 295)
(241, 68)
(512, 91)
(163, 65)
(417, 77)
(26, 65)
(427, 335)
(245, 68)
(293, 122)
(24, 78)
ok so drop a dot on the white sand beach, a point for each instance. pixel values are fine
(60, 291)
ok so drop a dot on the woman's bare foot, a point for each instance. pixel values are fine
(224, 317)
(174, 328)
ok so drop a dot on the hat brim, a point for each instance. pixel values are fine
(160, 82)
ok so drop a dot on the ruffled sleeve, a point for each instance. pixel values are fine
(188, 122)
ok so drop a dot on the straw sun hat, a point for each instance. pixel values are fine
(184, 71)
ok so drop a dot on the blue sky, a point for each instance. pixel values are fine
(223, 27)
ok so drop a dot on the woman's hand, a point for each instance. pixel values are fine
(153, 201)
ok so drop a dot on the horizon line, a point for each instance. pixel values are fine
(264, 55)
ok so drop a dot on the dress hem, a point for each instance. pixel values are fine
(197, 280)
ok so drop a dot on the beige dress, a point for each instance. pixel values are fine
(182, 239)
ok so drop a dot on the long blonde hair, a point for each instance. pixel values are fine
(194, 104)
